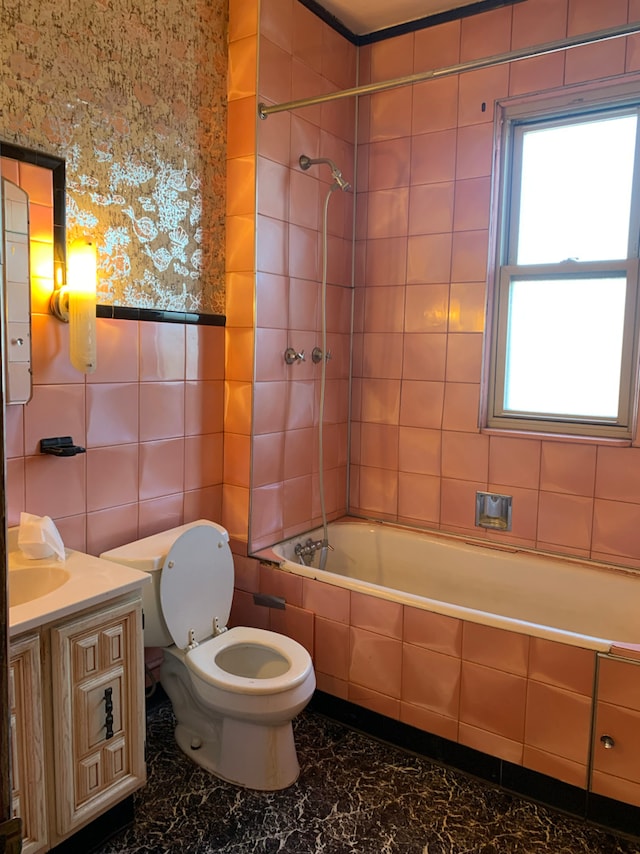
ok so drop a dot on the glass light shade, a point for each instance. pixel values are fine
(81, 288)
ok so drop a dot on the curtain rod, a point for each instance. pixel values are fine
(265, 110)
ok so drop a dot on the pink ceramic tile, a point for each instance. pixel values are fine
(436, 632)
(276, 21)
(247, 573)
(237, 415)
(538, 21)
(615, 529)
(241, 68)
(161, 411)
(392, 58)
(431, 680)
(388, 213)
(50, 352)
(491, 743)
(275, 78)
(384, 309)
(204, 407)
(299, 410)
(203, 504)
(514, 462)
(239, 306)
(240, 243)
(486, 34)
(619, 683)
(565, 519)
(203, 461)
(276, 582)
(15, 490)
(525, 523)
(243, 18)
(375, 662)
(332, 685)
(378, 491)
(304, 302)
(433, 157)
(162, 351)
(298, 456)
(380, 401)
(325, 600)
(493, 700)
(239, 354)
(266, 512)
(297, 501)
(567, 467)
(426, 308)
(431, 208)
(241, 127)
(474, 150)
(235, 515)
(268, 458)
(429, 259)
(465, 456)
(41, 223)
(595, 61)
(379, 445)
(307, 36)
(419, 450)
(390, 115)
(382, 355)
(204, 352)
(306, 82)
(241, 186)
(437, 47)
(273, 189)
(38, 182)
(377, 702)
(109, 528)
(244, 612)
(588, 15)
(540, 72)
(458, 502)
(422, 404)
(272, 293)
(14, 430)
(555, 766)
(429, 721)
(303, 253)
(386, 261)
(461, 407)
(464, 357)
(435, 105)
(331, 648)
(469, 256)
(479, 90)
(472, 204)
(561, 665)
(294, 623)
(54, 410)
(160, 514)
(376, 615)
(270, 347)
(418, 498)
(269, 402)
(617, 474)
(424, 356)
(467, 307)
(112, 414)
(112, 476)
(558, 721)
(497, 648)
(118, 350)
(389, 164)
(72, 530)
(162, 468)
(43, 495)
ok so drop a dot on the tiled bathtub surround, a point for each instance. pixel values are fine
(354, 795)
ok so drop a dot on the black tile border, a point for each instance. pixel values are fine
(572, 800)
(123, 312)
(408, 27)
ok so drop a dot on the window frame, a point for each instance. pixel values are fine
(512, 119)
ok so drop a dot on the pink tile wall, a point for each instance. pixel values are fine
(298, 58)
(422, 228)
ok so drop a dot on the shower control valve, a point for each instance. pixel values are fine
(317, 355)
(291, 356)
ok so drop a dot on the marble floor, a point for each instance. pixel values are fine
(355, 795)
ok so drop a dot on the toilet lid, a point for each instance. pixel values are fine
(196, 585)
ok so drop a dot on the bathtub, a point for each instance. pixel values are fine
(587, 604)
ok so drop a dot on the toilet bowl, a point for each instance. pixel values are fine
(234, 691)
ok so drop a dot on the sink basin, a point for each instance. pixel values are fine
(32, 582)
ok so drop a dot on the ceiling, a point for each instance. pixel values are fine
(367, 16)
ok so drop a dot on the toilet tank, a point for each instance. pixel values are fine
(148, 555)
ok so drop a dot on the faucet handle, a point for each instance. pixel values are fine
(291, 356)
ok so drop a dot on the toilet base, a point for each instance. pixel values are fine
(248, 754)
(254, 757)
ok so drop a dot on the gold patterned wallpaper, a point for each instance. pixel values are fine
(132, 94)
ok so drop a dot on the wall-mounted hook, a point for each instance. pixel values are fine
(291, 356)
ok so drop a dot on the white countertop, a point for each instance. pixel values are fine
(91, 581)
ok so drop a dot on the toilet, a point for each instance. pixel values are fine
(234, 691)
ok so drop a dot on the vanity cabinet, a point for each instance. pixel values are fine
(89, 684)
(616, 741)
(27, 743)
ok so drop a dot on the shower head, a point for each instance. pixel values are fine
(338, 179)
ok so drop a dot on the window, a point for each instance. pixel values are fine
(564, 311)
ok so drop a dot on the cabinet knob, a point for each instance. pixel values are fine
(607, 742)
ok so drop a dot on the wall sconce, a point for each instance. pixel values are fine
(75, 304)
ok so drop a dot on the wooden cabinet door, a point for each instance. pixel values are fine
(27, 743)
(616, 744)
(98, 712)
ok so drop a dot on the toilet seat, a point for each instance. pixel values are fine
(202, 661)
(196, 585)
